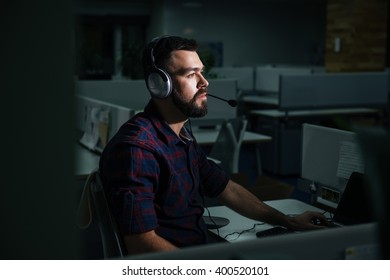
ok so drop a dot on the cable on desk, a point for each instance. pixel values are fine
(209, 214)
(244, 231)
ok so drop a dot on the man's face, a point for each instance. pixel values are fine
(189, 85)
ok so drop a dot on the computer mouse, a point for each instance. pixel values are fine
(327, 222)
(317, 222)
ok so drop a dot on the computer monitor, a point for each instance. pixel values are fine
(98, 121)
(329, 156)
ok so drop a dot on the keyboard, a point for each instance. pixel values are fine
(277, 230)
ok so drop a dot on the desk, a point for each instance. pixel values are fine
(206, 136)
(273, 113)
(272, 100)
(86, 161)
(239, 223)
(327, 244)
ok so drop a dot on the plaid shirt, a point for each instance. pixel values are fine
(153, 177)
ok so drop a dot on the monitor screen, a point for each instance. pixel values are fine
(329, 155)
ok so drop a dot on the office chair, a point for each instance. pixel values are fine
(227, 147)
(95, 207)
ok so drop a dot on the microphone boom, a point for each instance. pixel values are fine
(231, 102)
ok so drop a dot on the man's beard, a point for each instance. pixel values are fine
(190, 108)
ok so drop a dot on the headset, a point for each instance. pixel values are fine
(158, 81)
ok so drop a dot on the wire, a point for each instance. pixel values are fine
(209, 214)
(242, 232)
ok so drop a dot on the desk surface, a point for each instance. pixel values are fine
(86, 161)
(266, 99)
(239, 223)
(206, 136)
(274, 113)
(351, 242)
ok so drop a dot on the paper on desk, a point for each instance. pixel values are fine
(96, 128)
(350, 159)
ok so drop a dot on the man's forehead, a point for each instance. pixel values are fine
(184, 61)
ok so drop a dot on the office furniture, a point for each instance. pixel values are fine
(99, 120)
(291, 99)
(318, 113)
(134, 95)
(304, 88)
(239, 224)
(334, 90)
(271, 100)
(244, 76)
(227, 146)
(285, 128)
(208, 136)
(85, 161)
(267, 85)
(325, 244)
(128, 93)
(308, 90)
(328, 244)
(267, 77)
(94, 207)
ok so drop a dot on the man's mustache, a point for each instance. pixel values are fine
(201, 91)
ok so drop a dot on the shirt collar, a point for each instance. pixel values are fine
(169, 136)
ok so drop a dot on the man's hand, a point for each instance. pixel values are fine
(307, 220)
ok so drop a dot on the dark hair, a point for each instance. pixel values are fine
(161, 48)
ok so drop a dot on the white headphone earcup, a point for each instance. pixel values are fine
(159, 84)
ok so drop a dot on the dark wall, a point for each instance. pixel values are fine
(38, 198)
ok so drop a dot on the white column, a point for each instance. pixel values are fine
(117, 52)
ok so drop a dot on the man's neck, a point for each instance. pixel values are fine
(171, 115)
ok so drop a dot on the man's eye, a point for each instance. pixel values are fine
(191, 75)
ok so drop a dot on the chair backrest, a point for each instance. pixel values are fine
(100, 211)
(227, 147)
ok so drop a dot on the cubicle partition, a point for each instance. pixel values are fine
(128, 93)
(244, 76)
(333, 90)
(267, 78)
(314, 97)
(134, 95)
(98, 121)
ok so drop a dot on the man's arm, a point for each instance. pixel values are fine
(245, 203)
(146, 242)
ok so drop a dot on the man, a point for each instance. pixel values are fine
(154, 172)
